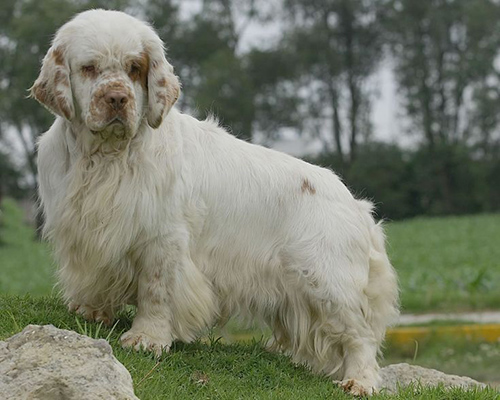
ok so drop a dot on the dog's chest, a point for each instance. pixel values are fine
(108, 209)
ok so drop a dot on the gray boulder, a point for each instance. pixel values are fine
(46, 363)
(404, 374)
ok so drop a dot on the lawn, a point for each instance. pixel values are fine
(25, 263)
(447, 264)
(202, 370)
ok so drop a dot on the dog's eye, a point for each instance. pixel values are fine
(135, 70)
(89, 69)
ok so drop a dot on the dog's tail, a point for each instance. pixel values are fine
(382, 290)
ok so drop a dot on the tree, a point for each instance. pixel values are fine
(442, 50)
(10, 178)
(338, 45)
(382, 173)
(273, 76)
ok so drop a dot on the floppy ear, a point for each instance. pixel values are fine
(163, 86)
(52, 88)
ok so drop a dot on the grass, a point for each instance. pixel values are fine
(202, 370)
(447, 264)
(25, 263)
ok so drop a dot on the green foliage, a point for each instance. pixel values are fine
(233, 104)
(273, 75)
(450, 180)
(381, 173)
(312, 80)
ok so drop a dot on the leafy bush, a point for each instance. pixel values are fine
(447, 180)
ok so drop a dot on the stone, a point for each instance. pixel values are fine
(47, 363)
(404, 374)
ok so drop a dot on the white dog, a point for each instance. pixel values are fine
(148, 206)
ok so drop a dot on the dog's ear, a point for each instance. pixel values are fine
(163, 86)
(52, 88)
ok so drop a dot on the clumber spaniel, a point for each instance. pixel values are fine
(147, 206)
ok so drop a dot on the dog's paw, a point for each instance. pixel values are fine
(355, 388)
(142, 341)
(91, 314)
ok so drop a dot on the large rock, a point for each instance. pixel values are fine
(46, 363)
(404, 374)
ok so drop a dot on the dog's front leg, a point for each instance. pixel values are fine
(152, 329)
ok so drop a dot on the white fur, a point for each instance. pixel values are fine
(193, 225)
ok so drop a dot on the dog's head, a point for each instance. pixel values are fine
(109, 71)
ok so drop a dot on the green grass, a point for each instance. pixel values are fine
(202, 370)
(447, 264)
(25, 263)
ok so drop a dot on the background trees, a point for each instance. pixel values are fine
(337, 45)
(445, 52)
(310, 78)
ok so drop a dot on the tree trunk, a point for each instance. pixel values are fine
(336, 124)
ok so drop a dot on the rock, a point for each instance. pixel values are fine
(404, 374)
(46, 363)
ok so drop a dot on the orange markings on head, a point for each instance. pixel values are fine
(138, 70)
(40, 92)
(63, 104)
(61, 77)
(58, 56)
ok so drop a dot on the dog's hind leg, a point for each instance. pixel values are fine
(333, 339)
(336, 316)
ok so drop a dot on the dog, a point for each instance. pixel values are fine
(147, 206)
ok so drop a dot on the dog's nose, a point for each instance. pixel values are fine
(116, 99)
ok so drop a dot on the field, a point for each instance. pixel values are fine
(443, 264)
(447, 264)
